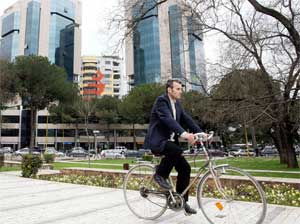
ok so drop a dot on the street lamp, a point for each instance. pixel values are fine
(96, 132)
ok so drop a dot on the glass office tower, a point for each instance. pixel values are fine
(9, 43)
(32, 28)
(166, 43)
(49, 28)
(146, 46)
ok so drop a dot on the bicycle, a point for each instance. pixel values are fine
(224, 193)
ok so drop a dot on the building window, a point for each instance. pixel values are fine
(11, 119)
(10, 132)
(43, 132)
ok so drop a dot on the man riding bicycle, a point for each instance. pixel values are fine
(165, 128)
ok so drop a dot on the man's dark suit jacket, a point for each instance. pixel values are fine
(162, 124)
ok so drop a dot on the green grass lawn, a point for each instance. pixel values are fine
(111, 161)
(4, 169)
(58, 166)
(253, 163)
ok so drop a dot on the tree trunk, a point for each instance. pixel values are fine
(287, 144)
(254, 142)
(0, 126)
(108, 134)
(76, 134)
(86, 121)
(276, 136)
(33, 113)
(134, 137)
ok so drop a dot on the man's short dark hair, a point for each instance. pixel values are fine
(170, 83)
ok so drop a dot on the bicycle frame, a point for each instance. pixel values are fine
(210, 178)
(210, 164)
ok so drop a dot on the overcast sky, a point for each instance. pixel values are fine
(95, 38)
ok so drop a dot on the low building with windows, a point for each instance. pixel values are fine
(50, 132)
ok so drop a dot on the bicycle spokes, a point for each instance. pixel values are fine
(142, 194)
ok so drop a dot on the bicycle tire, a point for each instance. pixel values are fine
(245, 203)
(144, 205)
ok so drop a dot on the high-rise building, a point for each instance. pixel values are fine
(166, 43)
(102, 75)
(48, 28)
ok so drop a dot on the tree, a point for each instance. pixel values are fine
(7, 83)
(239, 97)
(40, 83)
(7, 88)
(261, 35)
(107, 111)
(265, 36)
(67, 111)
(86, 110)
(136, 106)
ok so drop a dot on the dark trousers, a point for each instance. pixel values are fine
(173, 158)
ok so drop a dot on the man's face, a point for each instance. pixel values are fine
(175, 92)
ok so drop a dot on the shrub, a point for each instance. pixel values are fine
(30, 165)
(147, 158)
(49, 158)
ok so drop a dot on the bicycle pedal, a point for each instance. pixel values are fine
(187, 214)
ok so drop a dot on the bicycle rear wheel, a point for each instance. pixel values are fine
(142, 194)
(238, 199)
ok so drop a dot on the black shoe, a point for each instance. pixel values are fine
(188, 210)
(162, 182)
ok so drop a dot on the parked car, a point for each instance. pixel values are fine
(111, 154)
(234, 148)
(217, 152)
(137, 153)
(242, 152)
(78, 152)
(145, 151)
(25, 151)
(269, 150)
(92, 152)
(51, 150)
(6, 150)
(132, 153)
(120, 149)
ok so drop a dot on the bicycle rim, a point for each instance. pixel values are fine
(242, 201)
(137, 184)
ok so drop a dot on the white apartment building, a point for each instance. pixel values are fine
(102, 75)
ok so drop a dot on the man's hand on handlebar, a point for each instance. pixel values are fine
(193, 138)
(189, 137)
(202, 135)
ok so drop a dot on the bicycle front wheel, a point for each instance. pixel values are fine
(142, 194)
(234, 196)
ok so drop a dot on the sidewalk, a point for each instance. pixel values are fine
(29, 201)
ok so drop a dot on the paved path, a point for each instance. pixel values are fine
(28, 201)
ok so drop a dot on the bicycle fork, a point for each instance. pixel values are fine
(218, 182)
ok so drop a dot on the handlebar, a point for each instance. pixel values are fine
(201, 136)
